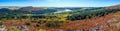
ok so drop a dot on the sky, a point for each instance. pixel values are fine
(60, 3)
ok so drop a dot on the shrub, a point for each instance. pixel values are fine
(53, 24)
(27, 23)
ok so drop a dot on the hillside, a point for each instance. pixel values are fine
(114, 7)
(78, 19)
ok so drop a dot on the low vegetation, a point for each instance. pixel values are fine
(67, 20)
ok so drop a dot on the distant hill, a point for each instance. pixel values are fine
(114, 7)
(10, 7)
(30, 8)
(40, 10)
(26, 10)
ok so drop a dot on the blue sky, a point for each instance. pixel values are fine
(60, 3)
